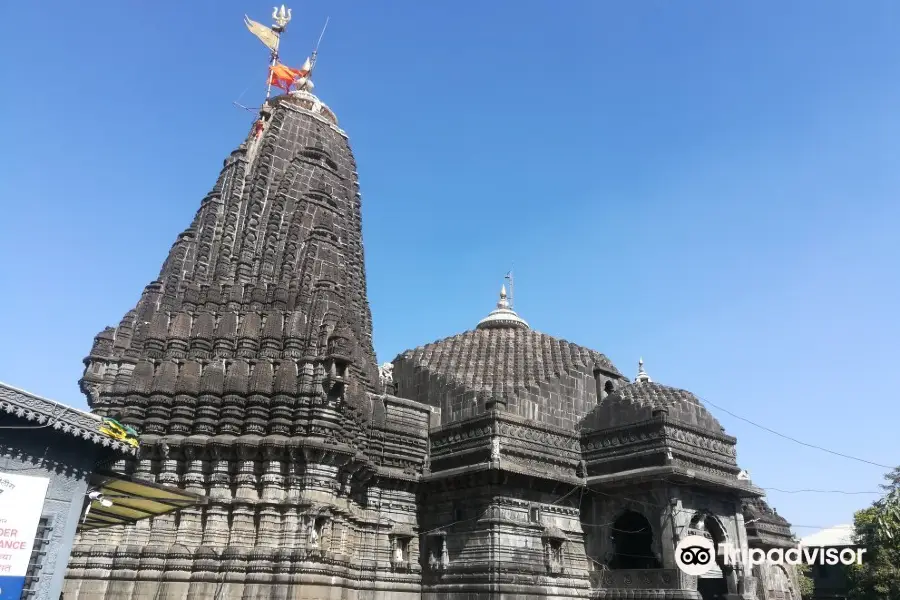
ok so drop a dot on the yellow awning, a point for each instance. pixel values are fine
(131, 500)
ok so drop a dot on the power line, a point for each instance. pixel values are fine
(787, 437)
(820, 491)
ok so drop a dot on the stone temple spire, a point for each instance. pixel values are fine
(502, 317)
(269, 271)
(247, 365)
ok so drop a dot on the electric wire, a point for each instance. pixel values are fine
(787, 437)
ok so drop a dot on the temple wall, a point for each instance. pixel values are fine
(503, 541)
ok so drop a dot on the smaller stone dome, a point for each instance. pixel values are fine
(502, 317)
(642, 399)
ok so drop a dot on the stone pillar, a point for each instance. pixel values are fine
(272, 477)
(190, 525)
(177, 574)
(215, 534)
(205, 578)
(296, 470)
(669, 533)
(163, 527)
(97, 570)
(149, 575)
(245, 478)
(126, 565)
(269, 534)
(234, 566)
(290, 528)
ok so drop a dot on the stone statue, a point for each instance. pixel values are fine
(386, 374)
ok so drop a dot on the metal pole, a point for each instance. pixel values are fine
(272, 63)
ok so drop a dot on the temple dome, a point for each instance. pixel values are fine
(505, 364)
(642, 399)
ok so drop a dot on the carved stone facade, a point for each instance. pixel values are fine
(491, 464)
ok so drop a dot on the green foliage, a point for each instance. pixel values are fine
(889, 507)
(877, 530)
(807, 587)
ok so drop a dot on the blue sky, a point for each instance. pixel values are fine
(712, 186)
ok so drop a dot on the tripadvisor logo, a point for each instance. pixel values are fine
(695, 555)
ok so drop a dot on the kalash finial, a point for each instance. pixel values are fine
(503, 303)
(502, 317)
(642, 374)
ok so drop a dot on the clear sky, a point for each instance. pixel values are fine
(710, 185)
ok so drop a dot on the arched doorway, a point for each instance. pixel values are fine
(712, 585)
(632, 538)
(779, 584)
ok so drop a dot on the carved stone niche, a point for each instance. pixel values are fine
(436, 550)
(315, 535)
(554, 550)
(401, 543)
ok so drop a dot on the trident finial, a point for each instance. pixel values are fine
(281, 16)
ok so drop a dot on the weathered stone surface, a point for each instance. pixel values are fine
(521, 371)
(497, 463)
(248, 368)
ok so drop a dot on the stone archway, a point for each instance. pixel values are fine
(714, 584)
(632, 537)
(778, 584)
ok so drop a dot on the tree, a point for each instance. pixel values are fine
(877, 529)
(805, 582)
(889, 507)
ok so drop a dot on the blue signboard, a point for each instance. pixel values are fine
(11, 587)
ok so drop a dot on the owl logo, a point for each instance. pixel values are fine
(694, 555)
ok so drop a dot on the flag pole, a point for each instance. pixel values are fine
(281, 17)
(272, 62)
(315, 53)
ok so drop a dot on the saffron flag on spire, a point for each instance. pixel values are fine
(265, 34)
(283, 76)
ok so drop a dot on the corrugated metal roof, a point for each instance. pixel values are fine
(839, 535)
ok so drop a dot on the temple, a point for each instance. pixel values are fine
(497, 463)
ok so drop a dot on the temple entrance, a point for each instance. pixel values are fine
(712, 585)
(633, 543)
(779, 584)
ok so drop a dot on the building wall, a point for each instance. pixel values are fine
(830, 581)
(67, 463)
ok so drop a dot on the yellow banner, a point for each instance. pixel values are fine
(265, 34)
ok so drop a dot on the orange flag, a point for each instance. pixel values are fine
(282, 76)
